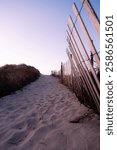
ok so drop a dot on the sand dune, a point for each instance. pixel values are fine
(45, 115)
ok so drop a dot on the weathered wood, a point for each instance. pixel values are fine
(80, 69)
(88, 86)
(75, 72)
(61, 73)
(83, 50)
(86, 34)
(86, 74)
(81, 58)
(92, 15)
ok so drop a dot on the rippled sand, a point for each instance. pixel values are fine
(45, 115)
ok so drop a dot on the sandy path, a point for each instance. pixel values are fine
(38, 118)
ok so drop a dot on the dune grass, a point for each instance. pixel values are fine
(14, 77)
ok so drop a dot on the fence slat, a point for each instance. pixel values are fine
(92, 15)
(83, 49)
(75, 72)
(79, 67)
(86, 34)
(84, 74)
(79, 73)
(82, 60)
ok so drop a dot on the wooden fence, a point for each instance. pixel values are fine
(83, 72)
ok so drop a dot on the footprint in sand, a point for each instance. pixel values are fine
(32, 123)
(18, 137)
(53, 117)
(24, 107)
(20, 125)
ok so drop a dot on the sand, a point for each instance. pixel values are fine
(46, 115)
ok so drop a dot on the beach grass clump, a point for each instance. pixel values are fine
(14, 77)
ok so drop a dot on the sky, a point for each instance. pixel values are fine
(34, 32)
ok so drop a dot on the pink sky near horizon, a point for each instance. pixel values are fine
(34, 33)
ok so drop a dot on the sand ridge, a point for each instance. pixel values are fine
(46, 115)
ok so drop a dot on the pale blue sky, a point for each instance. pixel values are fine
(34, 32)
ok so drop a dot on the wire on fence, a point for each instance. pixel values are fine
(76, 74)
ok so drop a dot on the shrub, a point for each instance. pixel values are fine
(14, 77)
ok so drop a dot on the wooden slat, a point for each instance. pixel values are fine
(87, 77)
(75, 72)
(86, 34)
(83, 50)
(83, 73)
(92, 15)
(79, 67)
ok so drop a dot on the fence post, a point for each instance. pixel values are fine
(61, 72)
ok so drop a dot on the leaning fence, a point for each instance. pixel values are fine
(82, 71)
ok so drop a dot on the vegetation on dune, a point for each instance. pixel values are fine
(14, 77)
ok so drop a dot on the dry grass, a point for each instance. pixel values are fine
(14, 77)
